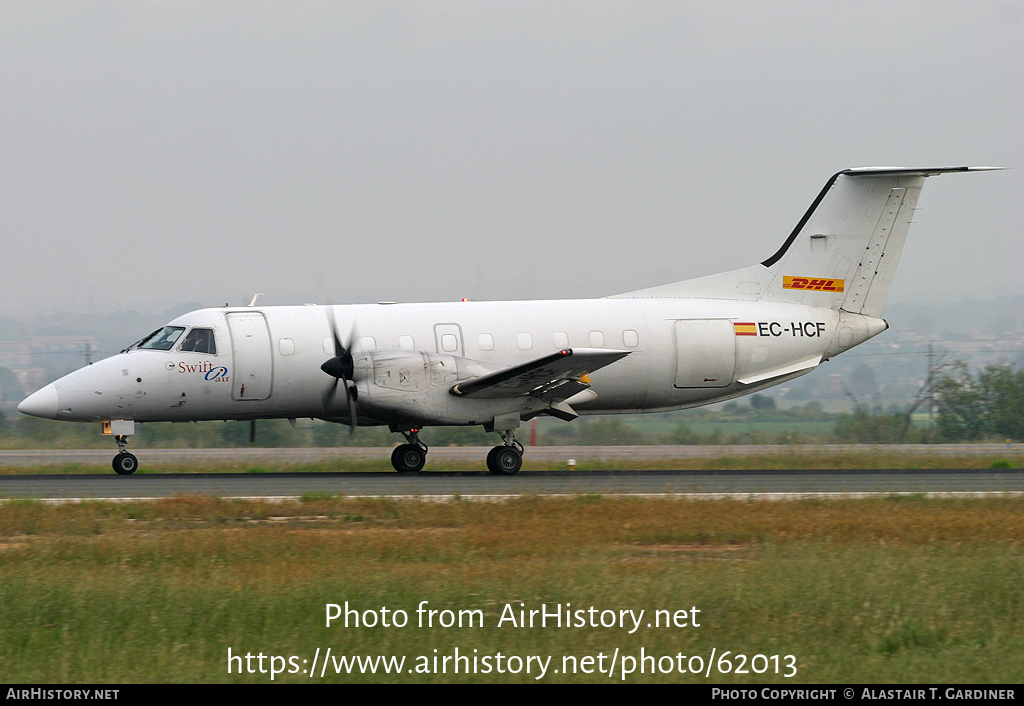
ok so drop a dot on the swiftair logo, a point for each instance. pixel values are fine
(817, 285)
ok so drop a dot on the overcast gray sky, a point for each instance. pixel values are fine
(155, 153)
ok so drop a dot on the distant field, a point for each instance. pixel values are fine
(21, 432)
(758, 457)
(897, 590)
(813, 429)
(744, 457)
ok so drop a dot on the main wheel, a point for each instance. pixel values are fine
(408, 458)
(125, 464)
(504, 460)
(490, 460)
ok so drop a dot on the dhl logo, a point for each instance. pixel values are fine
(817, 285)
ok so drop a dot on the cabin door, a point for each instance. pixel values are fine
(705, 353)
(253, 374)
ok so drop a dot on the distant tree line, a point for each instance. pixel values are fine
(985, 405)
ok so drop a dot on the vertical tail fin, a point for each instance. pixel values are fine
(844, 252)
(841, 255)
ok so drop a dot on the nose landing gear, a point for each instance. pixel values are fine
(124, 463)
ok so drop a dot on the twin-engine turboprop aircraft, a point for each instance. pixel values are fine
(497, 364)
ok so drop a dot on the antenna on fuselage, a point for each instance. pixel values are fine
(252, 302)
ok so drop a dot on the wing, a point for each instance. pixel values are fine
(554, 377)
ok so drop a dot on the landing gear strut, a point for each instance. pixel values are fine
(124, 463)
(410, 457)
(507, 459)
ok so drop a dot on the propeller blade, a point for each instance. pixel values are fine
(328, 397)
(339, 349)
(350, 392)
(341, 365)
(342, 368)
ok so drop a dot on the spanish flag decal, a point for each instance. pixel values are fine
(745, 329)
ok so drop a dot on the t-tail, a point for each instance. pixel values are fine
(842, 254)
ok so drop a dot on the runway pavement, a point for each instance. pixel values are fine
(448, 485)
(437, 483)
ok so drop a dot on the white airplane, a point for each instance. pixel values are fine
(497, 364)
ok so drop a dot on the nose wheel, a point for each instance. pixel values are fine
(124, 463)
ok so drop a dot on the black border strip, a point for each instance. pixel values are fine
(803, 221)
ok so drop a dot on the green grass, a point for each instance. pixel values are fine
(889, 590)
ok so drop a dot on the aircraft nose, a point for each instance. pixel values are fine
(42, 403)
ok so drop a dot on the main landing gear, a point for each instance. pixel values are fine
(503, 460)
(412, 456)
(507, 459)
(124, 463)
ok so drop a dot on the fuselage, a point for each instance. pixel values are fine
(264, 362)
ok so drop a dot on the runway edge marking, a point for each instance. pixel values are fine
(510, 496)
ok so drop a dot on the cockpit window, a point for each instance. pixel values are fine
(161, 339)
(200, 340)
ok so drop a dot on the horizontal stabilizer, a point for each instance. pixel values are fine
(913, 171)
(804, 365)
(553, 377)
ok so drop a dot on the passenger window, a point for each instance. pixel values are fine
(597, 339)
(560, 339)
(524, 341)
(199, 340)
(630, 339)
(485, 341)
(406, 343)
(286, 346)
(449, 343)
